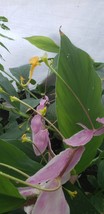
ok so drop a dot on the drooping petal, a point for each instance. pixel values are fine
(66, 161)
(28, 191)
(80, 138)
(99, 131)
(37, 123)
(44, 100)
(51, 202)
(100, 120)
(42, 110)
(40, 141)
(74, 159)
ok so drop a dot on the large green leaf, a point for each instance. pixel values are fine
(30, 101)
(44, 43)
(80, 204)
(98, 201)
(11, 155)
(21, 71)
(79, 97)
(10, 198)
(12, 131)
(100, 174)
(7, 86)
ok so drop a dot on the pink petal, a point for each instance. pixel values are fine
(40, 107)
(41, 140)
(51, 202)
(99, 131)
(100, 120)
(44, 100)
(66, 161)
(76, 156)
(81, 138)
(37, 123)
(28, 191)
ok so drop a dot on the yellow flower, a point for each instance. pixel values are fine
(43, 111)
(72, 194)
(33, 62)
(25, 139)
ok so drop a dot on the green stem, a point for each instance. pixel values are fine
(15, 169)
(29, 184)
(15, 98)
(25, 88)
(40, 153)
(71, 90)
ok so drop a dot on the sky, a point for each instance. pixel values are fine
(81, 20)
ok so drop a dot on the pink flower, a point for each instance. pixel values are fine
(40, 134)
(40, 141)
(51, 202)
(80, 138)
(37, 124)
(58, 168)
(84, 136)
(44, 101)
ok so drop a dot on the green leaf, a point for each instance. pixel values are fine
(3, 19)
(1, 67)
(6, 37)
(21, 71)
(100, 175)
(7, 86)
(12, 131)
(10, 198)
(80, 204)
(44, 43)
(100, 70)
(32, 81)
(51, 113)
(4, 46)
(98, 202)
(4, 27)
(9, 90)
(11, 155)
(30, 101)
(27, 148)
(18, 211)
(1, 57)
(78, 97)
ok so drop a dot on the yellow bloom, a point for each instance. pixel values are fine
(25, 139)
(72, 194)
(43, 111)
(33, 62)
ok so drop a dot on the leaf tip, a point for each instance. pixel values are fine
(61, 33)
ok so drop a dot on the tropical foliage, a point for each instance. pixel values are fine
(51, 136)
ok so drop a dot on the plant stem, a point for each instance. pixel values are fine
(33, 108)
(71, 90)
(51, 124)
(25, 88)
(15, 169)
(29, 184)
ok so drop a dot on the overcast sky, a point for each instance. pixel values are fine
(82, 21)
